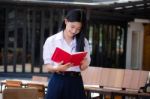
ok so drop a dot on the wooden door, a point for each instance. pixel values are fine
(146, 48)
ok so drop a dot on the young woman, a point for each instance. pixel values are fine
(66, 81)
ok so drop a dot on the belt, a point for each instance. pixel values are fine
(69, 73)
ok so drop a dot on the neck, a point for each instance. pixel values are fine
(67, 38)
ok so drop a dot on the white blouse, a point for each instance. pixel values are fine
(57, 40)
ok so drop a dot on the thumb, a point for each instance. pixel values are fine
(61, 63)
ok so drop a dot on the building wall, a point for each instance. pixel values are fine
(26, 27)
(134, 45)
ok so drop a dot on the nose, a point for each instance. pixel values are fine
(74, 30)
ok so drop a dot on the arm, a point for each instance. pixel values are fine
(58, 68)
(49, 65)
(86, 62)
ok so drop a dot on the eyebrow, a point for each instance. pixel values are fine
(78, 27)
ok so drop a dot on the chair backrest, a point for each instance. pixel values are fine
(20, 93)
(39, 78)
(112, 78)
(91, 76)
(144, 76)
(13, 83)
(39, 87)
(115, 78)
(134, 79)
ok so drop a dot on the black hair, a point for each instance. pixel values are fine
(77, 15)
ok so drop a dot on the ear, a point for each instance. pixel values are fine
(66, 21)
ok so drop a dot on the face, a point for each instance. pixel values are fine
(72, 28)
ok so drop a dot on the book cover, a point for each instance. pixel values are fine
(61, 55)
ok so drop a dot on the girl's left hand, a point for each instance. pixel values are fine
(84, 64)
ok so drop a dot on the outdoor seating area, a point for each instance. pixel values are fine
(20, 93)
(117, 37)
(37, 82)
(108, 83)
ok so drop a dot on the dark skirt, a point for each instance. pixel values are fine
(65, 87)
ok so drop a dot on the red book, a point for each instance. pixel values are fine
(61, 55)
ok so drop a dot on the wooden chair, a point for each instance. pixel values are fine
(39, 87)
(13, 83)
(144, 77)
(114, 82)
(133, 80)
(39, 78)
(91, 78)
(111, 79)
(20, 93)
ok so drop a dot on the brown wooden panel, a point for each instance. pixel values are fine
(143, 78)
(116, 78)
(20, 93)
(131, 79)
(146, 50)
(92, 75)
(39, 78)
(105, 76)
(40, 87)
(13, 83)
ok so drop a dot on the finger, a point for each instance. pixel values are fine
(68, 64)
(71, 64)
(85, 59)
(61, 63)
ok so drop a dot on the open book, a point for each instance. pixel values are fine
(61, 55)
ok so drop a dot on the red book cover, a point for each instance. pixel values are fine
(61, 55)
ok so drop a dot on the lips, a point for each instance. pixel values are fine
(74, 33)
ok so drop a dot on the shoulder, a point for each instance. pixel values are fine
(85, 40)
(54, 37)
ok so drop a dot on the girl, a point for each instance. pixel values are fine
(66, 81)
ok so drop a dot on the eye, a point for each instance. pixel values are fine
(78, 29)
(72, 26)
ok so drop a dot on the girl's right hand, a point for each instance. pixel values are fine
(63, 67)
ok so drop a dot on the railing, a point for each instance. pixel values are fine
(24, 29)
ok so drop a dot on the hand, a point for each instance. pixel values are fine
(63, 67)
(60, 67)
(84, 64)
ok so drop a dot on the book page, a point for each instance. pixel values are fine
(61, 55)
(78, 57)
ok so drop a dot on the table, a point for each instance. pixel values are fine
(24, 82)
(89, 89)
(114, 92)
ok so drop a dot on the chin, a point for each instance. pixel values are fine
(74, 34)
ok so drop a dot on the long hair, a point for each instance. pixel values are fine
(77, 15)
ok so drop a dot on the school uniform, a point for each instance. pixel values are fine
(67, 84)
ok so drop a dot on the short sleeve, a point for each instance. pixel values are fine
(47, 51)
(87, 48)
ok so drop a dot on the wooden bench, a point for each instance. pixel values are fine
(110, 81)
(20, 93)
(39, 87)
(133, 80)
(13, 83)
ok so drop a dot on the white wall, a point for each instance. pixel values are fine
(134, 53)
